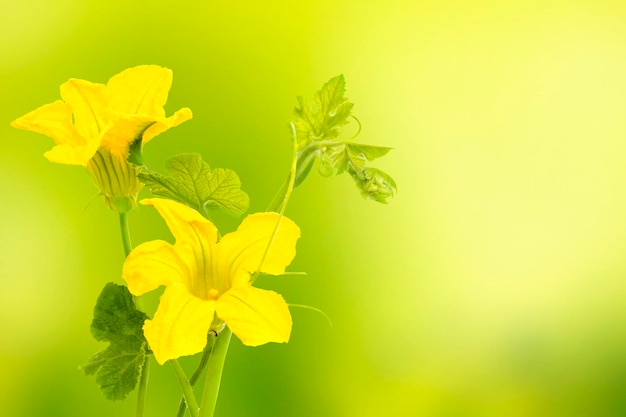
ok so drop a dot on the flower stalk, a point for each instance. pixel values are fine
(190, 398)
(143, 387)
(145, 368)
(126, 243)
(211, 388)
(198, 373)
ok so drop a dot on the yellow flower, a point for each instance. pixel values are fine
(95, 125)
(208, 282)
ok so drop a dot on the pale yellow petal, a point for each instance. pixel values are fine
(180, 325)
(151, 265)
(196, 239)
(123, 131)
(140, 90)
(89, 104)
(161, 126)
(244, 248)
(55, 120)
(256, 316)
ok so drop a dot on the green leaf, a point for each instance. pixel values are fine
(323, 117)
(191, 181)
(317, 125)
(117, 321)
(369, 152)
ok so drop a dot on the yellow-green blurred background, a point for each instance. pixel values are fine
(492, 285)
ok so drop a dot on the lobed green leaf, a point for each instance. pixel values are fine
(324, 116)
(117, 321)
(191, 181)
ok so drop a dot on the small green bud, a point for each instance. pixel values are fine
(374, 184)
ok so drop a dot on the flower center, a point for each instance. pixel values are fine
(213, 294)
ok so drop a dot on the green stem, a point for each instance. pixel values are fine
(190, 398)
(214, 374)
(128, 246)
(143, 385)
(145, 370)
(182, 407)
(125, 234)
(279, 197)
(283, 204)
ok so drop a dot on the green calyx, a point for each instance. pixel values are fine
(116, 178)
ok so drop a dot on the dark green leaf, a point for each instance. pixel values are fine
(191, 181)
(117, 321)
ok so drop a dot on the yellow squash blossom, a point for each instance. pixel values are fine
(95, 124)
(208, 281)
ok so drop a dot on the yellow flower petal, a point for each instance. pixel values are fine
(68, 154)
(244, 248)
(185, 223)
(119, 136)
(256, 316)
(180, 325)
(89, 104)
(140, 90)
(151, 265)
(129, 107)
(159, 127)
(55, 120)
(196, 239)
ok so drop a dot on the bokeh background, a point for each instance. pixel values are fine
(492, 285)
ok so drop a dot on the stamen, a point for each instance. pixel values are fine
(213, 294)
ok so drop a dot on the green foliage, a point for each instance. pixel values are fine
(323, 117)
(191, 181)
(317, 125)
(374, 184)
(117, 321)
